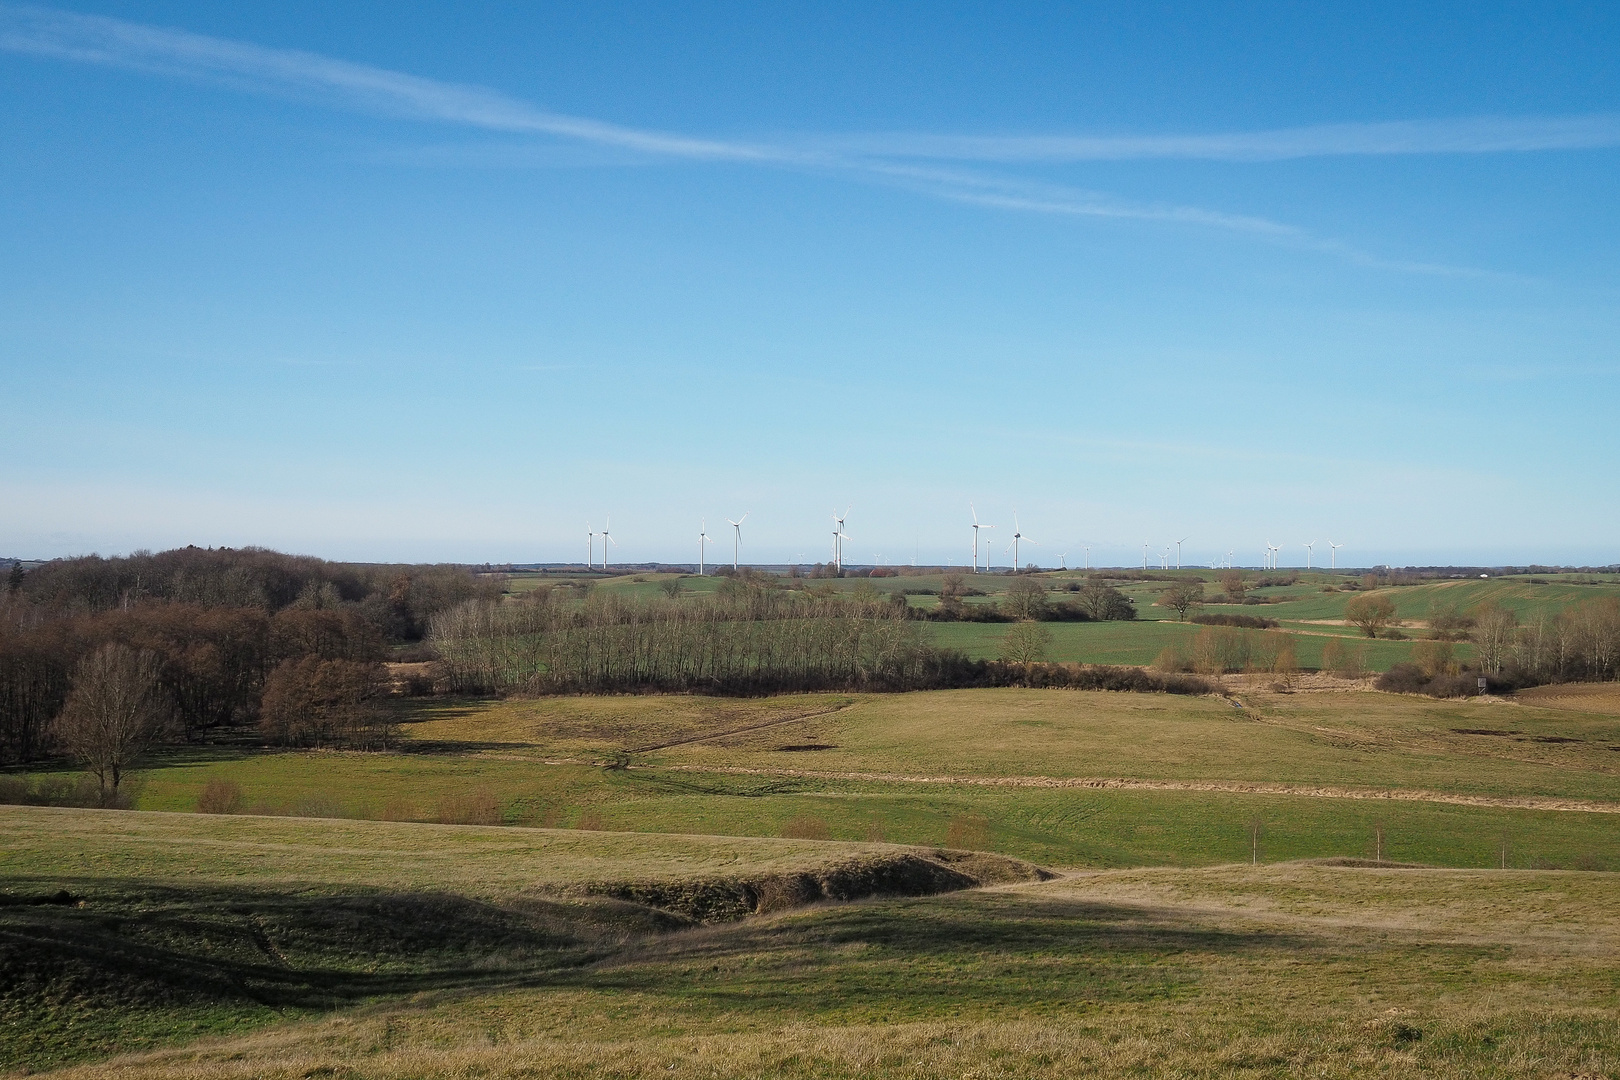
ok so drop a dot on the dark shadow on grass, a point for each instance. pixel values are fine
(978, 952)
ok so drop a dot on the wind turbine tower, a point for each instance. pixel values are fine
(1144, 554)
(1016, 536)
(703, 544)
(590, 547)
(976, 528)
(736, 540)
(838, 540)
(607, 538)
(1335, 548)
(1183, 540)
(1310, 551)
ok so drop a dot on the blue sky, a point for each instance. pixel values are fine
(447, 282)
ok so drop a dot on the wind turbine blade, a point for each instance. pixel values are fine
(974, 512)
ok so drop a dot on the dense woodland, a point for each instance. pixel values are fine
(218, 625)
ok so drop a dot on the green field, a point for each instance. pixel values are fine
(272, 943)
(1304, 610)
(1006, 765)
(603, 928)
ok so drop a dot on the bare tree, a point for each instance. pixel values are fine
(1026, 643)
(1026, 598)
(115, 711)
(1370, 613)
(1493, 634)
(1182, 597)
(1235, 584)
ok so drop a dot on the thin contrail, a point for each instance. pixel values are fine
(898, 160)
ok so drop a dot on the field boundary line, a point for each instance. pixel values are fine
(1242, 787)
(741, 730)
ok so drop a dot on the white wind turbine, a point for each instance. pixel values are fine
(1016, 536)
(1229, 555)
(1088, 556)
(704, 540)
(976, 528)
(736, 540)
(1335, 548)
(1164, 559)
(607, 538)
(838, 540)
(1063, 561)
(1310, 552)
(590, 547)
(1183, 540)
(1144, 554)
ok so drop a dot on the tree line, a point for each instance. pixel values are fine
(212, 631)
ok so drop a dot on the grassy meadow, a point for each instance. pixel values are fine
(1063, 778)
(1279, 970)
(1293, 877)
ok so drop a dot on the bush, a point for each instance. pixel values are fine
(1250, 622)
(1347, 661)
(1410, 679)
(1173, 658)
(479, 808)
(220, 797)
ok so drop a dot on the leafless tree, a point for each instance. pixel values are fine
(1026, 598)
(1026, 643)
(1183, 596)
(114, 713)
(1370, 613)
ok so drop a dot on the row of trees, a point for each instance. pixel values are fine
(755, 640)
(1581, 642)
(1028, 598)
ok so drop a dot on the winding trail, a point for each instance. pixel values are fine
(1318, 791)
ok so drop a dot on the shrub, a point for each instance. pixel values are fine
(478, 808)
(1345, 660)
(220, 797)
(1434, 658)
(1251, 622)
(1173, 658)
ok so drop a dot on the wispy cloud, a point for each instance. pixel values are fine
(1467, 135)
(915, 162)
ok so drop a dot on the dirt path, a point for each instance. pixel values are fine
(1319, 791)
(741, 730)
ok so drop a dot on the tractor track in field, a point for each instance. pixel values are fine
(741, 730)
(1241, 787)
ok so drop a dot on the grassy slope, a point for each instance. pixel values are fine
(520, 752)
(1275, 971)
(119, 930)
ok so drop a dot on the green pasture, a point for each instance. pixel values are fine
(244, 948)
(901, 768)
